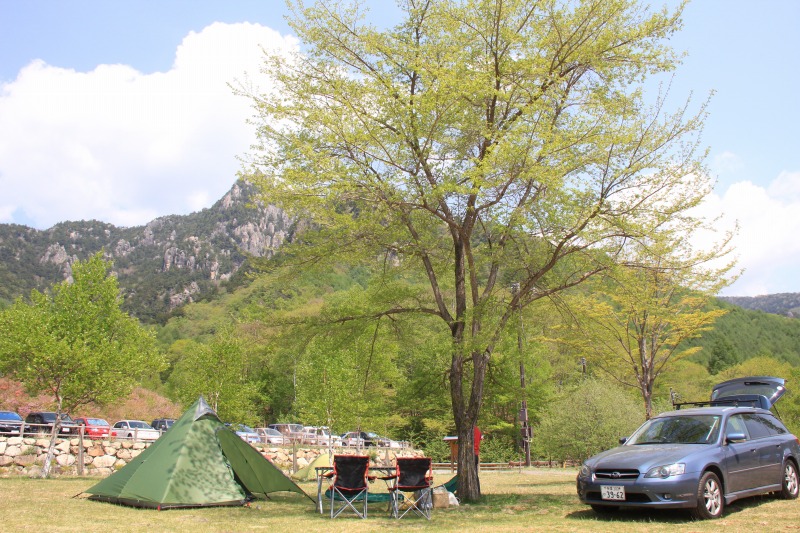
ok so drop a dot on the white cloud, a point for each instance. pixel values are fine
(727, 162)
(122, 146)
(786, 187)
(767, 245)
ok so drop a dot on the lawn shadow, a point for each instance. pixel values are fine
(666, 516)
(749, 503)
(538, 498)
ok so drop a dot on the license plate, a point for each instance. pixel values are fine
(611, 492)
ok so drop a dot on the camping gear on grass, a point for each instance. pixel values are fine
(441, 498)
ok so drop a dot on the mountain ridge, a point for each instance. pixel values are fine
(785, 303)
(178, 259)
(162, 265)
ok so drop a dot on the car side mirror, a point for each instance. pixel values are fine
(735, 437)
(623, 440)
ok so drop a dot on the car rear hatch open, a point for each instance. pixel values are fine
(760, 391)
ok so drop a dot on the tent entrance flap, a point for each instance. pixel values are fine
(256, 473)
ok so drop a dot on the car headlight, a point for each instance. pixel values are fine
(665, 471)
(585, 471)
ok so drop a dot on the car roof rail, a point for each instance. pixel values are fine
(756, 400)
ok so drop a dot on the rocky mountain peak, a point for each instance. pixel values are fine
(168, 262)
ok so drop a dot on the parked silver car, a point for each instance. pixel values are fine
(245, 432)
(320, 436)
(134, 429)
(272, 436)
(701, 458)
(292, 432)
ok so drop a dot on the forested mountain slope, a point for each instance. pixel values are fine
(742, 334)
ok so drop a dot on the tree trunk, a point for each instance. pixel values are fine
(468, 487)
(648, 404)
(466, 407)
(51, 450)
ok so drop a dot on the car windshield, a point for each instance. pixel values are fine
(696, 429)
(96, 422)
(138, 424)
(7, 415)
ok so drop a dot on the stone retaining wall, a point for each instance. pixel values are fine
(24, 456)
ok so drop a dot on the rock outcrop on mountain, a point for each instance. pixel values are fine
(786, 303)
(171, 261)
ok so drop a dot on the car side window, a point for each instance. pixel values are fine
(770, 424)
(757, 426)
(736, 425)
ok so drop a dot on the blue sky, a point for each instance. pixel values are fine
(119, 111)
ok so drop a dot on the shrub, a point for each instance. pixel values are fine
(587, 420)
(499, 448)
(438, 450)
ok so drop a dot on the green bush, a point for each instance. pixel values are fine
(587, 420)
(438, 450)
(499, 449)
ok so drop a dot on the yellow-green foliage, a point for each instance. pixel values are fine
(586, 420)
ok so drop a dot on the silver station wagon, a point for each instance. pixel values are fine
(702, 456)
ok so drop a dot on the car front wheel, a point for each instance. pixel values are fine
(791, 486)
(710, 502)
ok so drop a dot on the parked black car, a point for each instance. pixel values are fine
(162, 424)
(10, 422)
(42, 422)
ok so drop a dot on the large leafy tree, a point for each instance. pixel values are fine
(343, 380)
(220, 370)
(481, 143)
(75, 342)
(638, 323)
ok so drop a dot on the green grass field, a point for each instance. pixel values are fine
(536, 499)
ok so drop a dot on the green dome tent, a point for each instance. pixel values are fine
(308, 472)
(197, 463)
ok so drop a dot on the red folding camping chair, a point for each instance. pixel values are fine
(349, 484)
(412, 475)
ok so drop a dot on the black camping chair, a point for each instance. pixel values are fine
(412, 474)
(349, 483)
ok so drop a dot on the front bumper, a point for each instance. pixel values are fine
(10, 429)
(674, 492)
